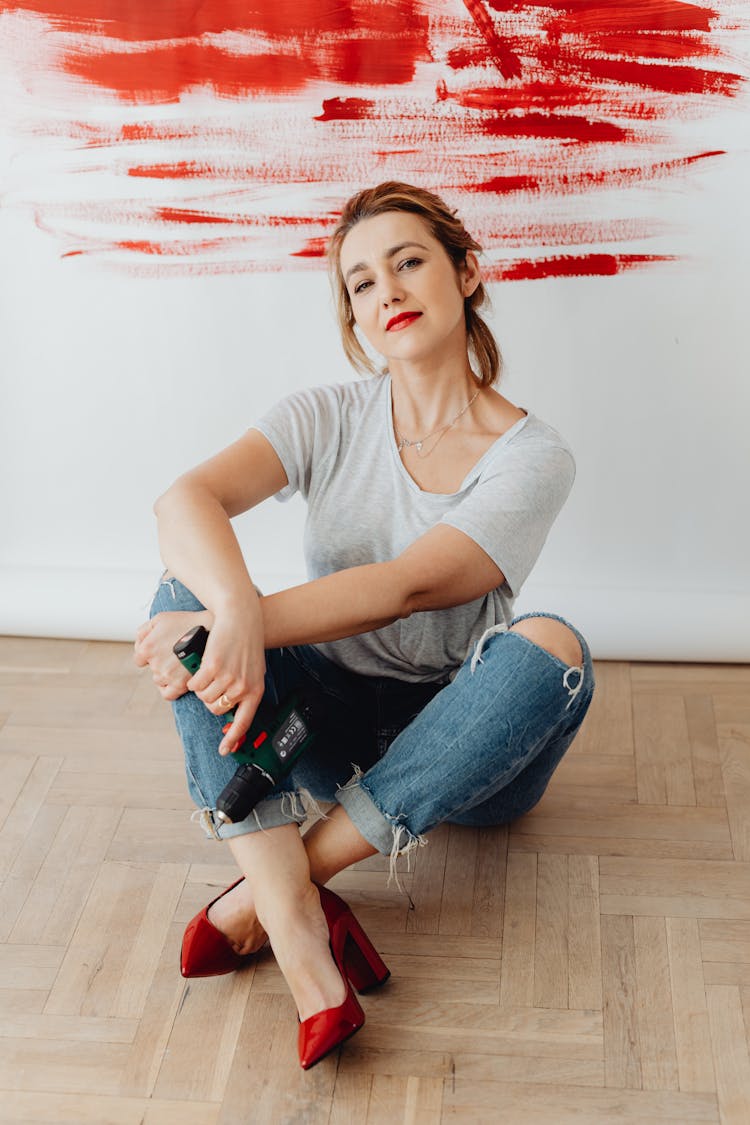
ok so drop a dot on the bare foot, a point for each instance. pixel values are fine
(234, 916)
(299, 937)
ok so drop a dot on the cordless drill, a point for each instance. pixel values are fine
(278, 736)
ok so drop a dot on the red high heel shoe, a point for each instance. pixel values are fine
(364, 966)
(205, 950)
(359, 964)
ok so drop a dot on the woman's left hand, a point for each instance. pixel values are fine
(154, 647)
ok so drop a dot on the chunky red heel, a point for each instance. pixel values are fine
(205, 950)
(363, 964)
(359, 964)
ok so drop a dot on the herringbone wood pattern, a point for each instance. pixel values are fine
(590, 965)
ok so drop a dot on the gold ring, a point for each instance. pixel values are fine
(226, 703)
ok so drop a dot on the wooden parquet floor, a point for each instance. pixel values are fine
(591, 965)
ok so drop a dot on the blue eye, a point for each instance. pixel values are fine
(410, 262)
(361, 286)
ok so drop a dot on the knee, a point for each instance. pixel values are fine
(171, 595)
(553, 636)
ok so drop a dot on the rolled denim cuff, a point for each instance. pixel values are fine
(273, 812)
(376, 827)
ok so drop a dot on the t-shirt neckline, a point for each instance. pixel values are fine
(473, 472)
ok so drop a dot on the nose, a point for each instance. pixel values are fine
(392, 292)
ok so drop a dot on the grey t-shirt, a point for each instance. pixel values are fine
(339, 451)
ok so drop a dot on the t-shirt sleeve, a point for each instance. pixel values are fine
(304, 429)
(513, 505)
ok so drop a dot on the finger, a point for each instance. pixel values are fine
(172, 691)
(200, 682)
(220, 697)
(140, 654)
(143, 630)
(243, 718)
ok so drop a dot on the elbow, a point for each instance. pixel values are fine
(161, 502)
(176, 490)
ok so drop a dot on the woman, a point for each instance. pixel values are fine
(429, 498)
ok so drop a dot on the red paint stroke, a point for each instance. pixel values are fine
(182, 170)
(346, 109)
(556, 181)
(182, 19)
(313, 248)
(144, 246)
(550, 96)
(638, 44)
(555, 125)
(506, 60)
(532, 118)
(584, 265)
(163, 74)
(600, 15)
(673, 80)
(184, 215)
(636, 15)
(351, 42)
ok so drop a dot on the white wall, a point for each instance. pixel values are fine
(111, 387)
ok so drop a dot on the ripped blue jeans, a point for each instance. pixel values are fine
(403, 757)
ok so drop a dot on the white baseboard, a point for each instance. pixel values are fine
(619, 624)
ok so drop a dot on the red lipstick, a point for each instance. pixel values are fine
(401, 319)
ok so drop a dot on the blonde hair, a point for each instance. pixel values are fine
(455, 240)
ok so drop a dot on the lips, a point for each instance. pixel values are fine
(401, 319)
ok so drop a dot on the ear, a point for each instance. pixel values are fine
(470, 274)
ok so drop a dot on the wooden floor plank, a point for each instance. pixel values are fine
(488, 1103)
(609, 722)
(426, 889)
(52, 906)
(704, 745)
(551, 940)
(519, 933)
(28, 805)
(458, 881)
(351, 1094)
(663, 761)
(198, 1065)
(488, 904)
(691, 1028)
(731, 1060)
(735, 767)
(622, 1046)
(584, 933)
(25, 1108)
(656, 1018)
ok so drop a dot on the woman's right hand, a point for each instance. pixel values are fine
(233, 669)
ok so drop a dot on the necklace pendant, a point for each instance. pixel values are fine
(418, 446)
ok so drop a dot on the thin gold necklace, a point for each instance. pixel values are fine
(404, 441)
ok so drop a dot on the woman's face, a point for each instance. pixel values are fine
(406, 295)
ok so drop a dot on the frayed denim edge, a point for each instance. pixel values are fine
(404, 841)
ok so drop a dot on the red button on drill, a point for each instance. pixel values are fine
(240, 740)
(260, 739)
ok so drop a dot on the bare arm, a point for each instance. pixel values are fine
(199, 547)
(344, 604)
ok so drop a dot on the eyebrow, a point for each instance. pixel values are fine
(388, 254)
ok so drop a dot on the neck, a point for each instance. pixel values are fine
(422, 403)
